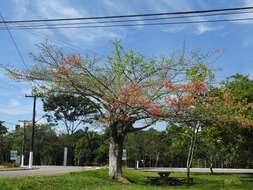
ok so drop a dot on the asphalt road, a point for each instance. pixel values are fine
(60, 170)
(45, 171)
(201, 170)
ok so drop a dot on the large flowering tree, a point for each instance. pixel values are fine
(129, 91)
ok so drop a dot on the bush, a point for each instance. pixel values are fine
(232, 182)
(9, 165)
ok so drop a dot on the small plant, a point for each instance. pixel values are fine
(9, 165)
(232, 182)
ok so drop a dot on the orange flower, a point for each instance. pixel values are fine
(199, 85)
(171, 101)
(168, 85)
(73, 60)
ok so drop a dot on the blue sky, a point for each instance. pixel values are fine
(235, 39)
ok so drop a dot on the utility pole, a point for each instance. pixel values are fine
(33, 129)
(23, 144)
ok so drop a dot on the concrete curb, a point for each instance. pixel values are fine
(16, 169)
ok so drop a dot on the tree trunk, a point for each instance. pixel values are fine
(189, 159)
(211, 167)
(191, 150)
(118, 130)
(115, 159)
(157, 159)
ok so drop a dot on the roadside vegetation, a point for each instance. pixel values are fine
(99, 180)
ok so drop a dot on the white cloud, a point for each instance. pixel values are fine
(22, 7)
(165, 5)
(61, 9)
(88, 37)
(179, 5)
(14, 107)
(57, 9)
(116, 6)
(25, 91)
(244, 3)
(248, 3)
(203, 28)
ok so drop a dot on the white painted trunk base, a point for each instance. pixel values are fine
(22, 161)
(30, 160)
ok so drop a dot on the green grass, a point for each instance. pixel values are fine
(98, 180)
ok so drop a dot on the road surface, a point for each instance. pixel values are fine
(201, 170)
(45, 171)
(60, 170)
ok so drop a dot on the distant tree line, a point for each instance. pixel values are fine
(227, 146)
(84, 147)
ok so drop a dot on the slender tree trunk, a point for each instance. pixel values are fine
(189, 158)
(191, 150)
(211, 166)
(157, 159)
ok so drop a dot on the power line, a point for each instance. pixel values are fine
(132, 20)
(138, 24)
(129, 15)
(14, 42)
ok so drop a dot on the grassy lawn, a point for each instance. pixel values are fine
(98, 180)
